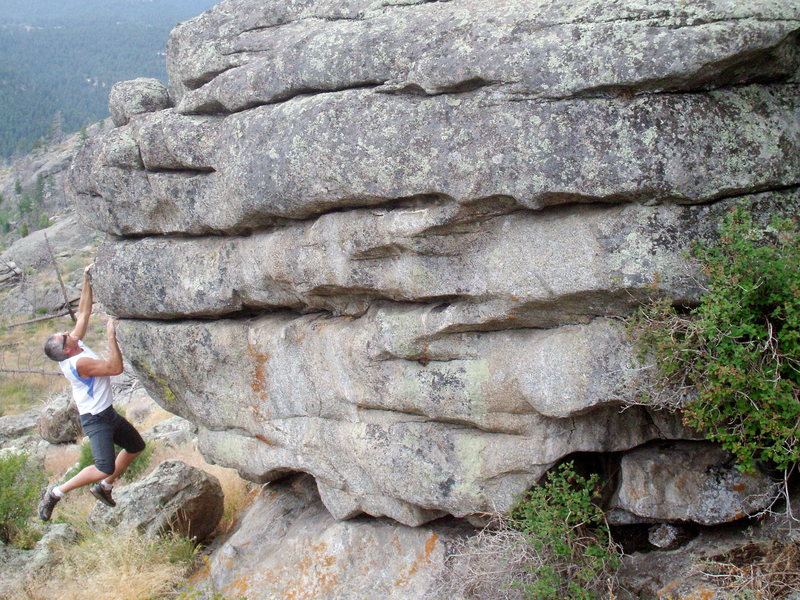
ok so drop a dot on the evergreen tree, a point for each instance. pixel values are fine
(38, 191)
(25, 205)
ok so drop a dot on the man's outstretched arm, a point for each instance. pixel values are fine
(84, 306)
(91, 367)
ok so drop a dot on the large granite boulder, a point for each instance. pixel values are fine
(18, 568)
(174, 497)
(396, 264)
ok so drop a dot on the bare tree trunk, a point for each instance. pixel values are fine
(61, 281)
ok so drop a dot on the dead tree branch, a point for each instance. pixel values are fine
(33, 371)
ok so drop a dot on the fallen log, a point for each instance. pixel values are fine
(30, 371)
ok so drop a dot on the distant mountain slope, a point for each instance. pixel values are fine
(42, 12)
(59, 59)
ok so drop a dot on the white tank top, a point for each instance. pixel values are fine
(92, 394)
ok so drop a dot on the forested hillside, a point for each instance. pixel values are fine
(59, 58)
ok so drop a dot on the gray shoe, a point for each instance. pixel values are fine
(47, 503)
(102, 494)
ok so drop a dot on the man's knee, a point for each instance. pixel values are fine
(105, 466)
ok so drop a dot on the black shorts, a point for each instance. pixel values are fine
(105, 429)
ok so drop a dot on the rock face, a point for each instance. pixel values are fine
(173, 432)
(16, 426)
(173, 497)
(395, 265)
(128, 98)
(288, 546)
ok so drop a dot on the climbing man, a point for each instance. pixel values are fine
(90, 377)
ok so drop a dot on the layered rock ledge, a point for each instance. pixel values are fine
(395, 262)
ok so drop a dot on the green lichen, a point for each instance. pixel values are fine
(165, 392)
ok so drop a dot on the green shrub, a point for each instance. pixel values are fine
(568, 533)
(733, 362)
(20, 485)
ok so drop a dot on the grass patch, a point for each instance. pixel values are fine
(115, 565)
(757, 571)
(18, 394)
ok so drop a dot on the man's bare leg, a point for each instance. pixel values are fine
(88, 475)
(92, 474)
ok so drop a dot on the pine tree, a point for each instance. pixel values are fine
(56, 132)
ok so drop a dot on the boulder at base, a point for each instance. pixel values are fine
(687, 481)
(289, 546)
(59, 422)
(175, 496)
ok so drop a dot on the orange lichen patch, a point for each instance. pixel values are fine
(739, 487)
(258, 381)
(423, 558)
(701, 593)
(261, 438)
(315, 575)
(239, 587)
(199, 575)
(664, 592)
(736, 517)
